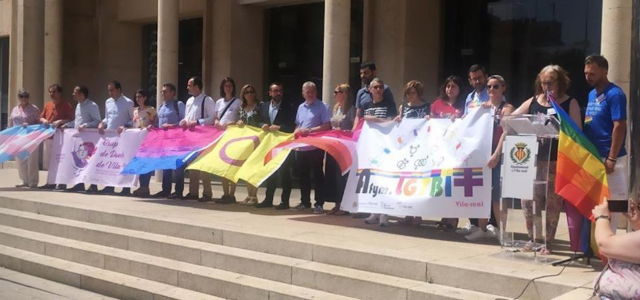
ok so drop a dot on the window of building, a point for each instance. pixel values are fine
(517, 38)
(189, 56)
(4, 82)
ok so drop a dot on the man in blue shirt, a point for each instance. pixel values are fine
(478, 80)
(87, 116)
(367, 74)
(118, 114)
(169, 115)
(605, 124)
(312, 116)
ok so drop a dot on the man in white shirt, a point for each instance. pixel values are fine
(201, 110)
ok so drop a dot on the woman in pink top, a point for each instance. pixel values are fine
(448, 106)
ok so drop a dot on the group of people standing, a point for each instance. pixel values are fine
(605, 126)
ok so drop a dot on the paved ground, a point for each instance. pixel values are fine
(424, 243)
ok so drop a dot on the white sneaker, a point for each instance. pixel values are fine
(372, 219)
(384, 221)
(468, 229)
(478, 234)
(493, 231)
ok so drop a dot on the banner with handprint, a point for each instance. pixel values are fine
(93, 158)
(418, 167)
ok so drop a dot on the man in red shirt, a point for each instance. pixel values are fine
(56, 113)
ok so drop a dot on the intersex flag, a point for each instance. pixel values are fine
(581, 177)
(240, 152)
(19, 141)
(170, 149)
(341, 145)
(254, 170)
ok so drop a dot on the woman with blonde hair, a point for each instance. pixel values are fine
(551, 82)
(250, 115)
(413, 107)
(344, 114)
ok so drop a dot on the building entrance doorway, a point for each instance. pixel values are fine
(295, 39)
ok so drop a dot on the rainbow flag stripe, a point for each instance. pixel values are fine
(419, 175)
(581, 178)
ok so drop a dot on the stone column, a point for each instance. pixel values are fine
(168, 26)
(616, 40)
(53, 41)
(207, 44)
(29, 41)
(616, 47)
(335, 66)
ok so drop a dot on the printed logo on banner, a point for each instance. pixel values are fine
(82, 153)
(520, 153)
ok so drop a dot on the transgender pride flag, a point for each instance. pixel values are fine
(18, 141)
(169, 149)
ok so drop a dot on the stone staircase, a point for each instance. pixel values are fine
(134, 256)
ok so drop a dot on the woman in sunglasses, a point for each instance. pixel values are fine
(250, 115)
(25, 114)
(496, 86)
(344, 114)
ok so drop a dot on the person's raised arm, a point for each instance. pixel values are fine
(625, 247)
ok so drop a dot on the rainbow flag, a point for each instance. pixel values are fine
(19, 142)
(171, 148)
(581, 177)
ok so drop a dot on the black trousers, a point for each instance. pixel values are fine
(284, 173)
(335, 182)
(309, 163)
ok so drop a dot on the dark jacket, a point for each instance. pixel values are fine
(286, 117)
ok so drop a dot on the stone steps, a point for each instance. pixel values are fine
(17, 286)
(219, 268)
(339, 269)
(88, 278)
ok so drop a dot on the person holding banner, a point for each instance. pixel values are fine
(201, 110)
(144, 116)
(344, 114)
(278, 116)
(312, 116)
(448, 106)
(364, 95)
(25, 114)
(118, 114)
(414, 107)
(227, 113)
(169, 115)
(56, 113)
(552, 80)
(87, 116)
(496, 86)
(378, 111)
(250, 115)
(478, 80)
